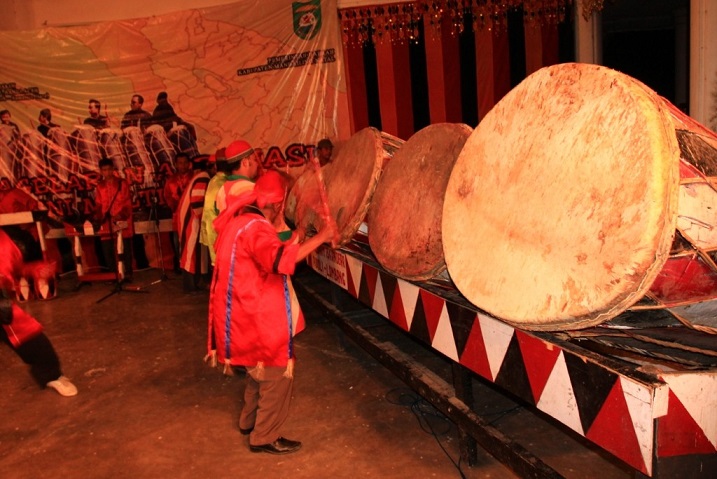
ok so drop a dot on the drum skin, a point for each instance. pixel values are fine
(561, 208)
(404, 219)
(350, 180)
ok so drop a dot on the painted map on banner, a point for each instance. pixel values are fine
(267, 71)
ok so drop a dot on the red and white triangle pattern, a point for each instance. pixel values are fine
(558, 398)
(691, 415)
(637, 422)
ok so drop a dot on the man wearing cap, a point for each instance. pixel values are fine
(244, 168)
(324, 149)
(194, 257)
(208, 235)
(251, 312)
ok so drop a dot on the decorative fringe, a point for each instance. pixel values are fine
(260, 371)
(289, 373)
(211, 358)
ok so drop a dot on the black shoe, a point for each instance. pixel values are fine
(280, 446)
(246, 432)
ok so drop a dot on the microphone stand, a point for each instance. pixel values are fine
(119, 259)
(158, 237)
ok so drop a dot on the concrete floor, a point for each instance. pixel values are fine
(148, 407)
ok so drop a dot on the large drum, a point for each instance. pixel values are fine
(60, 159)
(159, 145)
(561, 209)
(137, 154)
(350, 180)
(182, 141)
(87, 147)
(112, 148)
(32, 154)
(8, 152)
(404, 219)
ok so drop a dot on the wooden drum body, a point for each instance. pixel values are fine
(561, 209)
(690, 274)
(404, 219)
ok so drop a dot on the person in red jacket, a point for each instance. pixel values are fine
(23, 332)
(250, 308)
(113, 208)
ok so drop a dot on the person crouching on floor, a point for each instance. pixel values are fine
(23, 333)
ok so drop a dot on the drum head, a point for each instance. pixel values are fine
(350, 180)
(561, 208)
(404, 220)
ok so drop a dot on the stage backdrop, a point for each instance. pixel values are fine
(268, 71)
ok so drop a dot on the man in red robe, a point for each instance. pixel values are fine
(22, 332)
(113, 208)
(250, 308)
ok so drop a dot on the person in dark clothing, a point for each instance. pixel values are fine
(96, 120)
(45, 120)
(165, 115)
(136, 116)
(6, 119)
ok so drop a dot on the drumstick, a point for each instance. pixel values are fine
(326, 213)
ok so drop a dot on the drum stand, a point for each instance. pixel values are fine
(119, 272)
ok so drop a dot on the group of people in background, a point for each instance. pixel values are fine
(163, 115)
(228, 234)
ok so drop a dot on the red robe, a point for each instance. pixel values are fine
(173, 189)
(23, 326)
(120, 209)
(250, 304)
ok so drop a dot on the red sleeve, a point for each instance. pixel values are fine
(269, 251)
(101, 203)
(171, 193)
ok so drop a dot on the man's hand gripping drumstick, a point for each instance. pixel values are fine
(325, 213)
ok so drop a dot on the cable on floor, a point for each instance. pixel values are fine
(427, 417)
(432, 421)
